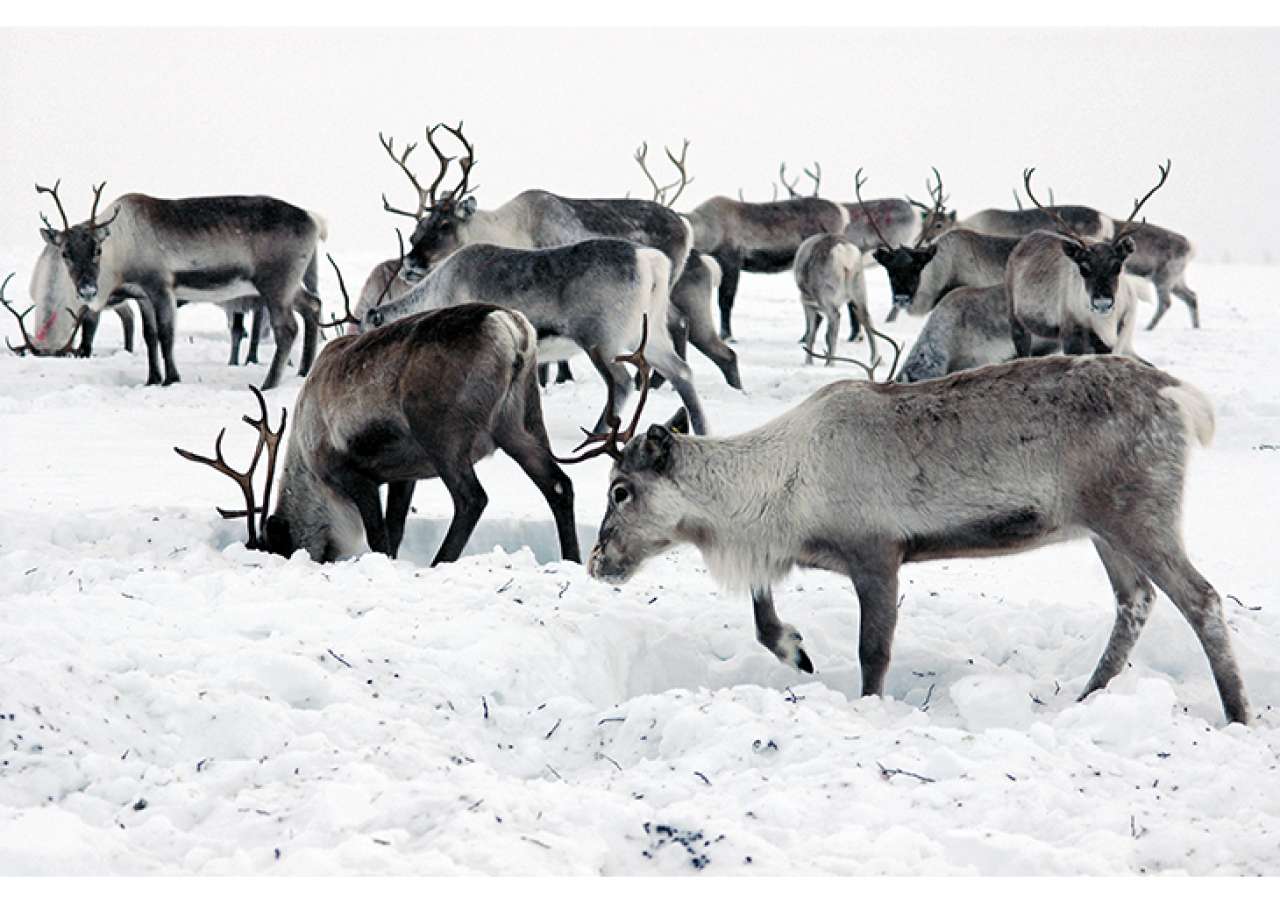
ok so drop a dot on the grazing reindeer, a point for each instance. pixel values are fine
(591, 296)
(1062, 286)
(828, 271)
(689, 314)
(759, 238)
(1017, 456)
(536, 219)
(162, 249)
(1161, 256)
(84, 322)
(424, 397)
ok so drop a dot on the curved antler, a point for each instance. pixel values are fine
(402, 161)
(93, 213)
(874, 366)
(612, 442)
(858, 182)
(40, 189)
(268, 439)
(1138, 203)
(466, 163)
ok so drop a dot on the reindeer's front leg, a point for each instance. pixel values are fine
(781, 639)
(875, 578)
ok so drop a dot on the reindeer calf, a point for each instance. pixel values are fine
(828, 271)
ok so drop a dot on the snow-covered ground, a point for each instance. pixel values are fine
(170, 703)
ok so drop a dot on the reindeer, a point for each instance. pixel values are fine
(55, 302)
(689, 315)
(83, 322)
(1161, 255)
(749, 237)
(423, 397)
(1017, 456)
(828, 271)
(533, 219)
(920, 277)
(1062, 286)
(591, 296)
(903, 263)
(1083, 221)
(231, 246)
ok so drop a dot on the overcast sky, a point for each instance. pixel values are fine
(295, 114)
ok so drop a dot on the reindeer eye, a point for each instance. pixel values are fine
(620, 493)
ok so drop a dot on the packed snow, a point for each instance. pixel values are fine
(172, 703)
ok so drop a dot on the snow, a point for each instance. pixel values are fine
(171, 703)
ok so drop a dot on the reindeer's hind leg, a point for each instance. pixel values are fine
(833, 333)
(88, 329)
(1158, 552)
(150, 338)
(1162, 305)
(125, 313)
(308, 306)
(399, 498)
(858, 288)
(702, 335)
(1134, 596)
(1188, 298)
(730, 269)
(524, 438)
(783, 640)
(236, 322)
(469, 501)
(875, 579)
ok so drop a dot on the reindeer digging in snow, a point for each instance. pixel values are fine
(157, 250)
(424, 397)
(758, 238)
(1062, 286)
(689, 315)
(1017, 456)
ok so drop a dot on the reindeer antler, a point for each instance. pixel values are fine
(1063, 225)
(348, 316)
(934, 212)
(660, 192)
(268, 439)
(790, 186)
(1138, 203)
(612, 442)
(27, 346)
(402, 161)
(875, 365)
(93, 213)
(466, 163)
(815, 175)
(858, 182)
(40, 189)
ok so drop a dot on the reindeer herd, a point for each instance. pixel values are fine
(1022, 415)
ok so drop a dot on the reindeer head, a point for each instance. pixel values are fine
(438, 217)
(904, 265)
(1100, 262)
(80, 245)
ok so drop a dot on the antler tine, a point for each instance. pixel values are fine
(815, 175)
(870, 369)
(790, 186)
(20, 317)
(1057, 217)
(271, 438)
(399, 269)
(243, 480)
(685, 180)
(858, 182)
(1138, 203)
(612, 442)
(66, 224)
(465, 163)
(93, 213)
(402, 161)
(1017, 198)
(347, 316)
(641, 153)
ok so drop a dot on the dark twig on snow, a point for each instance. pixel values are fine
(705, 779)
(553, 729)
(888, 773)
(1242, 605)
(339, 658)
(484, 702)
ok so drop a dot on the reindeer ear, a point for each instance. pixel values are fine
(882, 255)
(1073, 249)
(654, 453)
(466, 208)
(1126, 246)
(679, 422)
(51, 236)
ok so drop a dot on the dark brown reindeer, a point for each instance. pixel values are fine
(425, 396)
(1063, 286)
(1018, 456)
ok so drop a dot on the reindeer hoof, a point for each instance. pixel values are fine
(789, 649)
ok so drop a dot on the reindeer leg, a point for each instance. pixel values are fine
(783, 640)
(1188, 298)
(236, 322)
(1162, 305)
(363, 493)
(893, 314)
(544, 373)
(616, 375)
(730, 269)
(858, 292)
(125, 313)
(1134, 596)
(280, 309)
(525, 440)
(399, 498)
(308, 307)
(664, 360)
(469, 501)
(811, 322)
(833, 333)
(151, 339)
(255, 333)
(563, 373)
(702, 335)
(876, 581)
(88, 329)
(166, 313)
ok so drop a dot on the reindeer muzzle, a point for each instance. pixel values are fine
(1102, 305)
(600, 567)
(901, 300)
